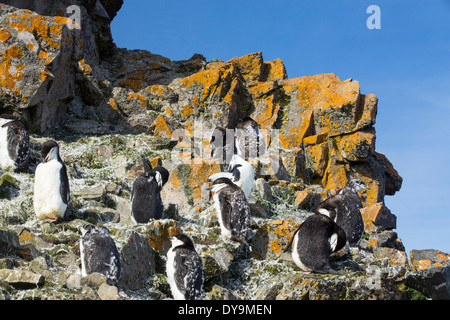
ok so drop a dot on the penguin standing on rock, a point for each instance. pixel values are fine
(146, 203)
(184, 269)
(232, 209)
(51, 184)
(344, 209)
(313, 242)
(14, 144)
(99, 253)
(250, 141)
(240, 172)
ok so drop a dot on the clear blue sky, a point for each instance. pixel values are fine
(406, 64)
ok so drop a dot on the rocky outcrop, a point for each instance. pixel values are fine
(109, 107)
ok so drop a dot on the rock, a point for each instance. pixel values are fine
(158, 234)
(74, 282)
(29, 252)
(271, 239)
(432, 273)
(263, 189)
(107, 292)
(9, 242)
(21, 279)
(138, 262)
(306, 199)
(9, 186)
(378, 218)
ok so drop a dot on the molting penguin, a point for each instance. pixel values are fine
(232, 209)
(184, 270)
(14, 144)
(344, 209)
(240, 172)
(250, 141)
(51, 184)
(222, 145)
(146, 200)
(313, 242)
(99, 253)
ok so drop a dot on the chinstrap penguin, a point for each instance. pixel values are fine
(14, 144)
(313, 242)
(146, 202)
(232, 209)
(240, 172)
(184, 270)
(99, 253)
(249, 138)
(344, 209)
(51, 184)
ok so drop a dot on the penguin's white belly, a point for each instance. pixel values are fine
(5, 161)
(224, 231)
(296, 257)
(48, 203)
(170, 270)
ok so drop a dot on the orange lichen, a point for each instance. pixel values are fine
(186, 111)
(4, 34)
(140, 98)
(113, 104)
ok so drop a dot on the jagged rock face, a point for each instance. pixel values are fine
(110, 107)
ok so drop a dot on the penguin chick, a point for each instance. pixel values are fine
(313, 242)
(232, 209)
(184, 270)
(344, 209)
(146, 202)
(99, 253)
(14, 144)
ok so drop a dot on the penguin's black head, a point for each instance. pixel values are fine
(182, 240)
(164, 175)
(218, 134)
(147, 165)
(357, 185)
(50, 150)
(247, 121)
(91, 229)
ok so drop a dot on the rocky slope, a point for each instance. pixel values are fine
(110, 107)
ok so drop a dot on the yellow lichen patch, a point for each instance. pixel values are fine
(140, 98)
(9, 74)
(357, 145)
(84, 67)
(267, 105)
(169, 112)
(442, 257)
(48, 28)
(158, 90)
(4, 35)
(44, 74)
(277, 70)
(370, 215)
(372, 243)
(134, 82)
(201, 169)
(186, 111)
(160, 128)
(317, 158)
(113, 104)
(316, 139)
(250, 66)
(44, 56)
(423, 264)
(335, 177)
(292, 138)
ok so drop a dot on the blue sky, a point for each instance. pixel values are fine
(406, 64)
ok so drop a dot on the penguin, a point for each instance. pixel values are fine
(240, 172)
(184, 269)
(221, 145)
(344, 208)
(146, 203)
(51, 184)
(99, 253)
(14, 144)
(249, 139)
(313, 242)
(232, 209)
